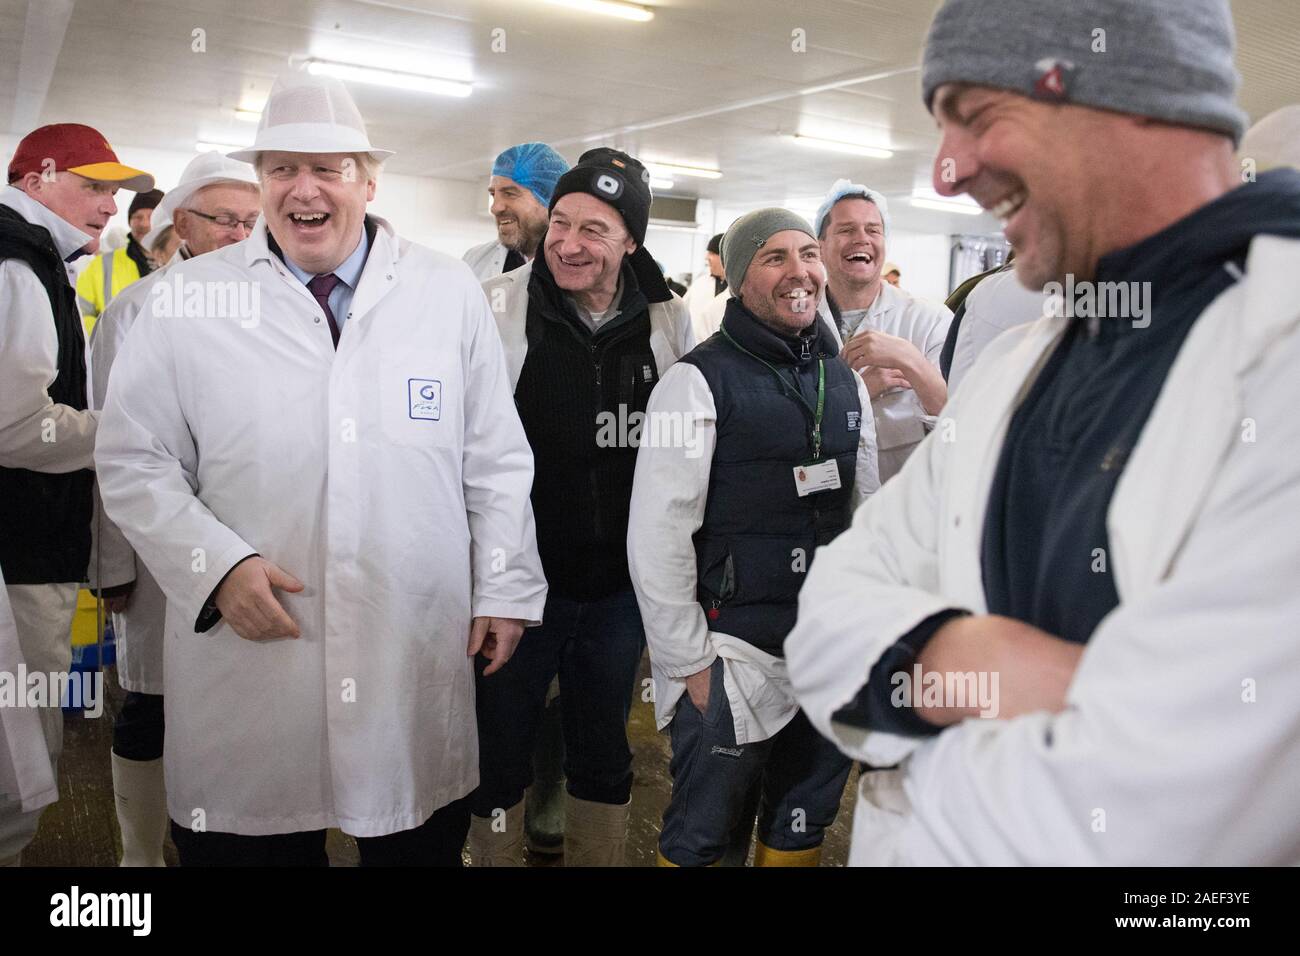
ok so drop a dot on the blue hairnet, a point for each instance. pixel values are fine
(535, 166)
(843, 189)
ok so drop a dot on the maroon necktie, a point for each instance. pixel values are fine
(321, 287)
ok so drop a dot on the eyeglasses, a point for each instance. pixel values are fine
(226, 222)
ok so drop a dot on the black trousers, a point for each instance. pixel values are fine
(139, 729)
(436, 842)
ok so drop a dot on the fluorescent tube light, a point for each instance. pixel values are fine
(667, 170)
(393, 78)
(947, 205)
(608, 8)
(836, 146)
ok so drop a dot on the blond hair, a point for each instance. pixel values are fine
(366, 162)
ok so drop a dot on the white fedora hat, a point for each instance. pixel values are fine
(310, 114)
(205, 169)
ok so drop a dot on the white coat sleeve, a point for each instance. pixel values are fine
(497, 472)
(669, 494)
(687, 339)
(696, 298)
(29, 418)
(683, 331)
(998, 303)
(933, 349)
(112, 560)
(147, 464)
(866, 477)
(869, 587)
(1180, 741)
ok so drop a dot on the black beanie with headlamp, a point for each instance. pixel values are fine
(616, 178)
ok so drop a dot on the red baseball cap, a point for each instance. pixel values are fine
(76, 149)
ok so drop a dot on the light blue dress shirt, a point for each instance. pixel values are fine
(349, 273)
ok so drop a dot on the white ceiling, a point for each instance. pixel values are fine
(706, 82)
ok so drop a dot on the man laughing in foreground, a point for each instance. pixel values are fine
(1103, 518)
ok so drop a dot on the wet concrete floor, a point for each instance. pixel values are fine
(81, 829)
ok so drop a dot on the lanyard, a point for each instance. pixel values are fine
(821, 390)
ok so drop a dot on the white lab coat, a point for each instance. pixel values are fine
(139, 630)
(669, 497)
(1157, 743)
(26, 774)
(28, 366)
(670, 326)
(999, 302)
(391, 477)
(901, 420)
(698, 299)
(487, 260)
(716, 309)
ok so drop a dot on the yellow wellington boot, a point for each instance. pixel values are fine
(764, 855)
(595, 834)
(498, 840)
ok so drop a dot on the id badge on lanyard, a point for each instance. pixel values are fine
(818, 474)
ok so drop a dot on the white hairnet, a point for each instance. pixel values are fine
(844, 189)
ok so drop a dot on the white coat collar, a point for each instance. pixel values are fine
(67, 237)
(1167, 476)
(256, 248)
(887, 300)
(377, 278)
(1149, 520)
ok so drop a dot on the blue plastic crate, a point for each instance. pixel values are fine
(85, 660)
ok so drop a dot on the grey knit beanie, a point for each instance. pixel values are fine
(1170, 60)
(747, 235)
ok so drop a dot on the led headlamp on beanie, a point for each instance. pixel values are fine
(616, 178)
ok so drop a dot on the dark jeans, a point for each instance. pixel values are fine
(802, 776)
(595, 647)
(436, 842)
(138, 730)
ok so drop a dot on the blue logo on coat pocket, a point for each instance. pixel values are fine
(426, 398)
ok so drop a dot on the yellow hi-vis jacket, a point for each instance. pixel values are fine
(97, 285)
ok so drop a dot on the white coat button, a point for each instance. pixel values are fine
(956, 522)
(317, 320)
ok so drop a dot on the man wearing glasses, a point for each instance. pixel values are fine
(216, 204)
(226, 221)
